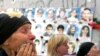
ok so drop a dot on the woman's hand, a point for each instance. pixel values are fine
(27, 50)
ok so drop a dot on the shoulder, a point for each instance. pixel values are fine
(2, 52)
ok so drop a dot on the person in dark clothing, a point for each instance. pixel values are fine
(15, 35)
(2, 52)
(88, 49)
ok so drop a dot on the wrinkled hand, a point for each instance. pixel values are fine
(27, 50)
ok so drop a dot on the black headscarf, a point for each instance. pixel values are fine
(84, 48)
(8, 25)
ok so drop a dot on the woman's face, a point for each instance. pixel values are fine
(93, 51)
(85, 30)
(63, 49)
(21, 36)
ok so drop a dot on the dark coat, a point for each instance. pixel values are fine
(2, 52)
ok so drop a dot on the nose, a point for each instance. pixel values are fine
(31, 36)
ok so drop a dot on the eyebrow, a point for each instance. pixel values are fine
(26, 26)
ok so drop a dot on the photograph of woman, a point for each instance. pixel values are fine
(72, 31)
(85, 34)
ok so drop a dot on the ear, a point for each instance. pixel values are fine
(6, 43)
(57, 50)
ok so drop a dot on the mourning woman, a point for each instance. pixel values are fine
(15, 35)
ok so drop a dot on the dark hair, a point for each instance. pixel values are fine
(84, 48)
(40, 11)
(72, 11)
(49, 25)
(87, 9)
(69, 30)
(60, 27)
(88, 34)
(62, 9)
(51, 10)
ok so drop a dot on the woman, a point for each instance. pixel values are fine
(85, 34)
(72, 31)
(57, 45)
(88, 49)
(15, 35)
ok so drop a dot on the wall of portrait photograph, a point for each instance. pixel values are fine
(46, 22)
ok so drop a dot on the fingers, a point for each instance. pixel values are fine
(26, 50)
(34, 49)
(33, 54)
(29, 51)
(21, 50)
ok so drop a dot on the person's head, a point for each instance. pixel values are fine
(73, 13)
(49, 28)
(85, 31)
(57, 45)
(14, 30)
(85, 48)
(40, 12)
(86, 14)
(62, 12)
(72, 30)
(51, 13)
(60, 29)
